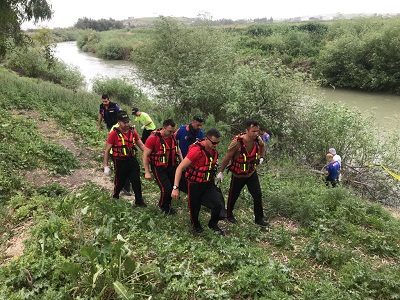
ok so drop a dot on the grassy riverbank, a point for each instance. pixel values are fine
(81, 244)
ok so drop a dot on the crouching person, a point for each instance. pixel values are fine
(200, 166)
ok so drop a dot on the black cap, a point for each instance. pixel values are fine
(122, 116)
(135, 110)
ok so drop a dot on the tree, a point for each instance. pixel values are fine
(13, 14)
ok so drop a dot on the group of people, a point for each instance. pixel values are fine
(184, 160)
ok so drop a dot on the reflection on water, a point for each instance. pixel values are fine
(385, 108)
(92, 67)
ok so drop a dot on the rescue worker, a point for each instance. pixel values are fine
(127, 186)
(200, 164)
(245, 153)
(185, 136)
(188, 134)
(145, 122)
(123, 141)
(108, 112)
(163, 154)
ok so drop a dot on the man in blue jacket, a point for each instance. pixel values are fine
(108, 112)
(188, 134)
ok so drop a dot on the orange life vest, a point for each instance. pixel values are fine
(159, 157)
(124, 147)
(206, 172)
(246, 162)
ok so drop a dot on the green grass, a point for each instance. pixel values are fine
(323, 243)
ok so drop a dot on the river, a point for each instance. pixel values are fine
(385, 108)
(92, 67)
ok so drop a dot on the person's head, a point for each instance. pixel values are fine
(123, 120)
(168, 127)
(197, 122)
(135, 111)
(212, 138)
(105, 99)
(332, 150)
(329, 157)
(252, 128)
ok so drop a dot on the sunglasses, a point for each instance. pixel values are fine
(198, 119)
(214, 143)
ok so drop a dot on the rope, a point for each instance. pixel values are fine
(394, 175)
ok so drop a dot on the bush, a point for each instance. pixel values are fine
(121, 90)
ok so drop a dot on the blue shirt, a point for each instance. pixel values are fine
(333, 170)
(265, 137)
(186, 137)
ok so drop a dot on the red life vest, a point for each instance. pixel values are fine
(246, 162)
(206, 172)
(125, 147)
(159, 157)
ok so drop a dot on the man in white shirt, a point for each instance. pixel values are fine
(336, 157)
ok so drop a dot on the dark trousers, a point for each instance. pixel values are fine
(333, 182)
(165, 180)
(127, 169)
(253, 185)
(127, 185)
(145, 135)
(203, 194)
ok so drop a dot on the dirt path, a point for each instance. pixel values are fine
(90, 171)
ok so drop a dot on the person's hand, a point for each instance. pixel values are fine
(107, 170)
(99, 128)
(220, 176)
(175, 194)
(261, 160)
(147, 175)
(142, 127)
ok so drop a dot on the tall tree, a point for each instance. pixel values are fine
(13, 14)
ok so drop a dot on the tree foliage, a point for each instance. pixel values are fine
(13, 14)
(98, 25)
(188, 66)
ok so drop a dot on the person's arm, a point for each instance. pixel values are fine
(263, 149)
(178, 174)
(226, 160)
(106, 158)
(140, 145)
(145, 160)
(148, 123)
(99, 119)
(180, 154)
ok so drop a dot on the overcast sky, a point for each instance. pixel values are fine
(67, 12)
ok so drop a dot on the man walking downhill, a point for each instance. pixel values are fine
(163, 154)
(200, 165)
(123, 140)
(245, 153)
(108, 112)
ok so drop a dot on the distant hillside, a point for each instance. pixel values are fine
(148, 21)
